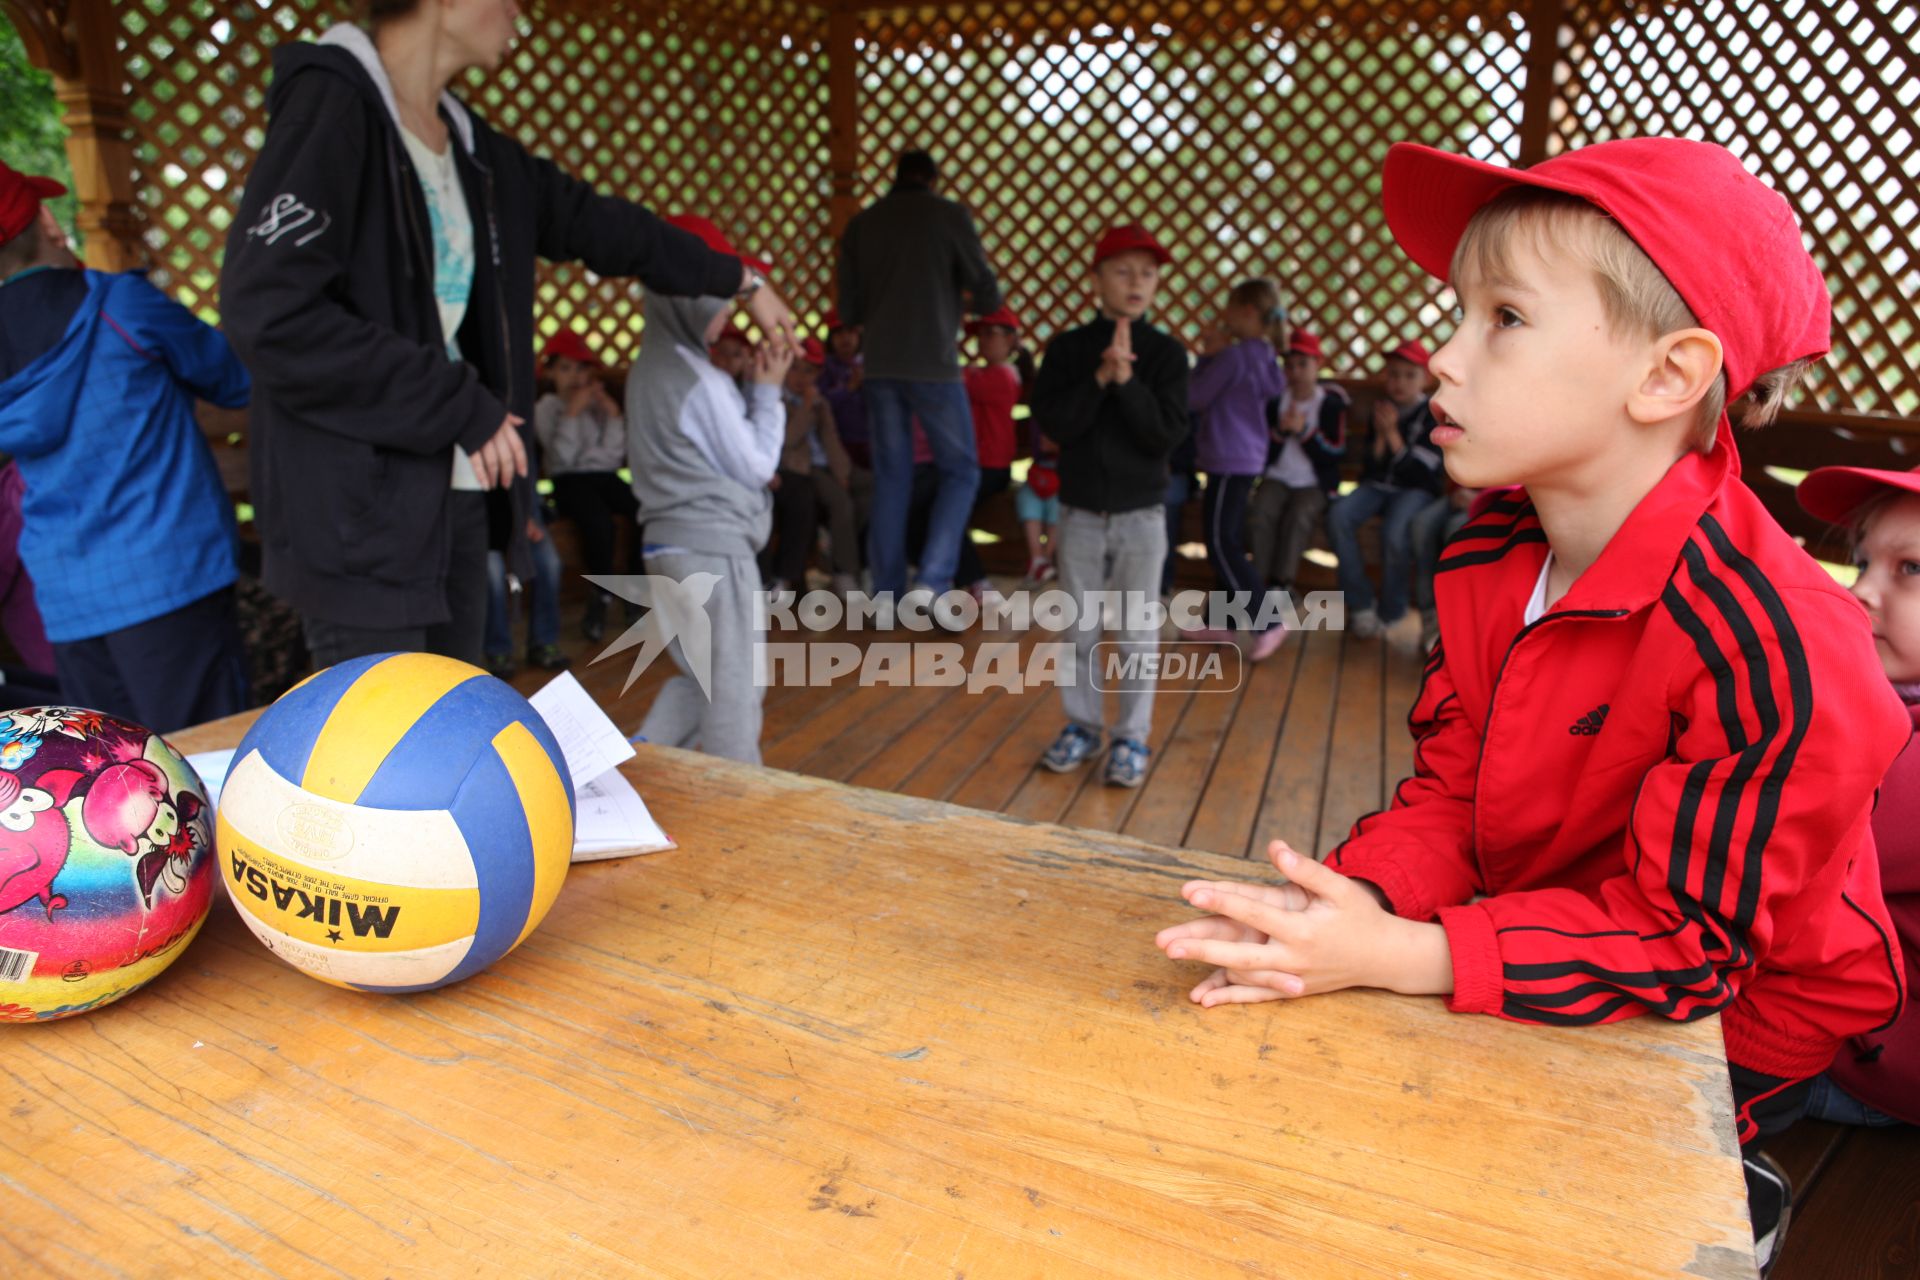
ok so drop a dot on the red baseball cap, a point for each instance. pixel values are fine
(1118, 240)
(20, 197)
(1726, 241)
(1835, 493)
(704, 228)
(1412, 350)
(734, 333)
(813, 352)
(1303, 343)
(835, 324)
(1003, 318)
(568, 345)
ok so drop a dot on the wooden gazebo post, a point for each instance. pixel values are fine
(1537, 99)
(74, 39)
(843, 122)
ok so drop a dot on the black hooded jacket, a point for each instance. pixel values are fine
(327, 296)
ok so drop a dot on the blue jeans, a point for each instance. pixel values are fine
(1828, 1101)
(892, 405)
(1396, 509)
(544, 628)
(1438, 521)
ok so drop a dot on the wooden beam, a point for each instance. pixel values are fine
(1544, 18)
(42, 31)
(843, 122)
(76, 41)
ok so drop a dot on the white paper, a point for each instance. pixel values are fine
(588, 740)
(613, 820)
(212, 767)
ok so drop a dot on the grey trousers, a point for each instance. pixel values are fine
(1280, 525)
(1121, 553)
(727, 723)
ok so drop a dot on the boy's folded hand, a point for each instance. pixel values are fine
(1319, 932)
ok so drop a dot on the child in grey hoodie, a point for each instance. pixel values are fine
(701, 457)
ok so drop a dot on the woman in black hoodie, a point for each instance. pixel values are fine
(378, 285)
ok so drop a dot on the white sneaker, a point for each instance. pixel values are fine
(1365, 624)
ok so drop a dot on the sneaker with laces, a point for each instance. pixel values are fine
(1769, 1204)
(547, 657)
(1073, 748)
(1267, 643)
(500, 666)
(1127, 763)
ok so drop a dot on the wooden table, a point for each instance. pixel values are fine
(845, 1033)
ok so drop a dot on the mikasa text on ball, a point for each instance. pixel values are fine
(396, 823)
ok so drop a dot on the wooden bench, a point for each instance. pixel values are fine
(844, 1033)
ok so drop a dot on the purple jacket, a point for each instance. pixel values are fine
(1228, 395)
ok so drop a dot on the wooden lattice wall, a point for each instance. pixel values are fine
(1250, 151)
(1249, 134)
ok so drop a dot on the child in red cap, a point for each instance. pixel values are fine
(1306, 438)
(1400, 474)
(1875, 1078)
(1113, 394)
(1647, 743)
(993, 390)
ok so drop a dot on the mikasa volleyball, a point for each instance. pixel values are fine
(396, 823)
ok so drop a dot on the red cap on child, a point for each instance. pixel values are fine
(1003, 318)
(835, 324)
(568, 345)
(734, 333)
(710, 234)
(1412, 350)
(20, 197)
(1122, 239)
(1303, 343)
(1726, 241)
(813, 352)
(1835, 493)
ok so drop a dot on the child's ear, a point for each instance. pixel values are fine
(1680, 371)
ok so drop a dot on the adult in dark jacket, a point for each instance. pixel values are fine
(379, 285)
(910, 263)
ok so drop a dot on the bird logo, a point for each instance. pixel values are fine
(676, 612)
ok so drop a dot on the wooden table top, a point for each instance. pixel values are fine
(845, 1033)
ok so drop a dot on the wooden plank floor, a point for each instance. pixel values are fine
(1306, 743)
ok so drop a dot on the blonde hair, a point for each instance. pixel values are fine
(1263, 296)
(1638, 299)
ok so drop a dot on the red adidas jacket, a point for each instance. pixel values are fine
(1662, 787)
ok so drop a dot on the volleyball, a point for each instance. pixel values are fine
(396, 823)
(106, 868)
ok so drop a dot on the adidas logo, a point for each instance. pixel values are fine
(1589, 724)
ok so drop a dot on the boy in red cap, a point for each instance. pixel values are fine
(1307, 430)
(1400, 474)
(1648, 740)
(1113, 394)
(583, 445)
(993, 389)
(1875, 1078)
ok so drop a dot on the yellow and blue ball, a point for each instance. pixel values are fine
(396, 823)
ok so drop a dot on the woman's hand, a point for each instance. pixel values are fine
(502, 458)
(770, 311)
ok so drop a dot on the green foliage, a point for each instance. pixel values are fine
(32, 139)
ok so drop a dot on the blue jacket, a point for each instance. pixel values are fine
(125, 515)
